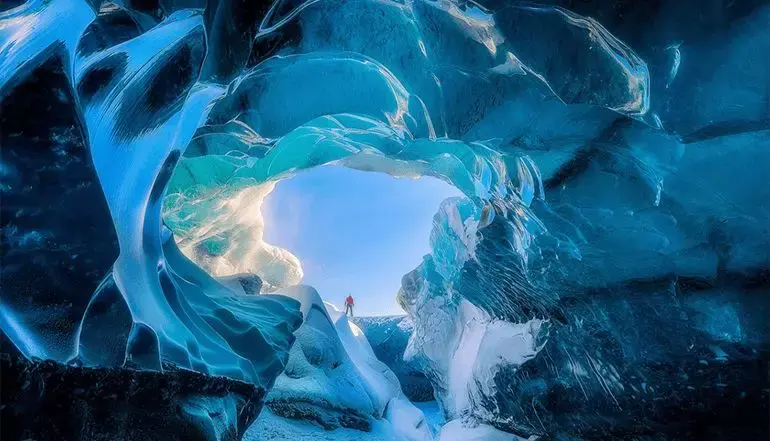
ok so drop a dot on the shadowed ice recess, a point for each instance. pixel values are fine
(605, 273)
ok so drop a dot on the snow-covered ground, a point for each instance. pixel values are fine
(333, 385)
(458, 430)
(271, 427)
(335, 388)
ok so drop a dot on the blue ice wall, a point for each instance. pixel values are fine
(389, 336)
(90, 274)
(612, 155)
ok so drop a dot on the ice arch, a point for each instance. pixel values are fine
(143, 95)
(614, 196)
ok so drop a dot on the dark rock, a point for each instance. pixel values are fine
(45, 400)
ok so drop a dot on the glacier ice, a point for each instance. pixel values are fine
(457, 430)
(388, 337)
(225, 237)
(321, 382)
(612, 158)
(333, 378)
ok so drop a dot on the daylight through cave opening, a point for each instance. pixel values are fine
(335, 228)
(604, 274)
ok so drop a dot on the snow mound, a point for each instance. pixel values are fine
(333, 378)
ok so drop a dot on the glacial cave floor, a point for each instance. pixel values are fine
(271, 427)
(434, 417)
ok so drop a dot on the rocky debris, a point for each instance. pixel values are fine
(325, 417)
(46, 400)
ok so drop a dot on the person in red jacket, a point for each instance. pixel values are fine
(349, 303)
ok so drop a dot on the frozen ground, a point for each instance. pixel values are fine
(334, 387)
(271, 427)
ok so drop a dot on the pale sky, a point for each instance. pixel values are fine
(355, 232)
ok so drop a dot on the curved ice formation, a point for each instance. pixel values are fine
(621, 211)
(138, 104)
(225, 236)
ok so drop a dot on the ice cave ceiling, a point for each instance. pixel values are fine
(613, 156)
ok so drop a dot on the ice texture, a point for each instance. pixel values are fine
(334, 379)
(389, 336)
(85, 248)
(226, 237)
(612, 158)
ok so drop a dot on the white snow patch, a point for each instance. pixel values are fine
(382, 384)
(466, 348)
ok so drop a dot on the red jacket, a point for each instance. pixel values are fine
(349, 301)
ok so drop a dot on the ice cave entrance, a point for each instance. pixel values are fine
(338, 229)
(354, 231)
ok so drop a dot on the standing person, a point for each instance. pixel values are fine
(349, 303)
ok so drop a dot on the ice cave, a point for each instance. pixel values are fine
(604, 273)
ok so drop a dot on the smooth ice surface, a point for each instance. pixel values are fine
(611, 157)
(138, 104)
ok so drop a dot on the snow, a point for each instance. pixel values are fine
(320, 378)
(458, 430)
(407, 420)
(271, 427)
(333, 378)
(463, 348)
(486, 345)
